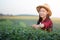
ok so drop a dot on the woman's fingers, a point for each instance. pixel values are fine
(33, 25)
(37, 26)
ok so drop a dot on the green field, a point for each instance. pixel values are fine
(13, 26)
(29, 20)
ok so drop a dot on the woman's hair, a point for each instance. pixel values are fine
(40, 19)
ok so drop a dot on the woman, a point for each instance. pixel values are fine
(44, 21)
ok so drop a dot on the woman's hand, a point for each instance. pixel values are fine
(35, 26)
(38, 26)
(41, 25)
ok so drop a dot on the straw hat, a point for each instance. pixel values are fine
(46, 6)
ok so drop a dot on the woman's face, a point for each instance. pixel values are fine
(43, 12)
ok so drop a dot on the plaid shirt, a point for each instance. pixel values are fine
(47, 23)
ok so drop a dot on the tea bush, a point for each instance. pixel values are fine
(14, 30)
